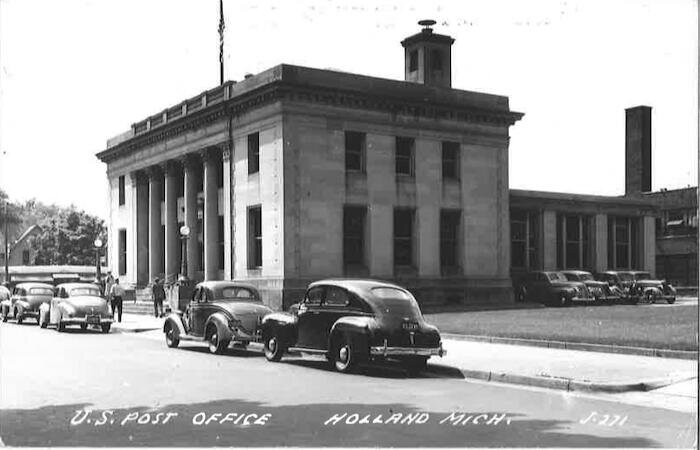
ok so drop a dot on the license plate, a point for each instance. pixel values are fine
(410, 326)
(93, 320)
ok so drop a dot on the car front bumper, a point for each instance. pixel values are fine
(386, 351)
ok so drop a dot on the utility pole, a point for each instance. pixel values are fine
(7, 248)
(222, 27)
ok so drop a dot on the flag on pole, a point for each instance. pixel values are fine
(222, 27)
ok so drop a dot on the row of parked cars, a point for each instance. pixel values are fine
(64, 305)
(350, 322)
(562, 288)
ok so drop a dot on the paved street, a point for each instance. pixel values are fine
(129, 389)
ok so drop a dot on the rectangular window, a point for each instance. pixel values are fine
(524, 236)
(623, 243)
(254, 237)
(354, 235)
(449, 238)
(122, 191)
(403, 237)
(253, 153)
(573, 242)
(404, 157)
(450, 160)
(413, 61)
(25, 257)
(355, 151)
(122, 251)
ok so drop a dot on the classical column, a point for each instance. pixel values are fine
(211, 214)
(228, 235)
(172, 235)
(141, 229)
(155, 236)
(191, 168)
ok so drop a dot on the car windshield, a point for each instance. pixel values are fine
(587, 277)
(395, 302)
(236, 293)
(41, 291)
(556, 276)
(642, 276)
(571, 276)
(75, 292)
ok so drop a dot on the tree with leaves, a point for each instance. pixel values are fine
(68, 238)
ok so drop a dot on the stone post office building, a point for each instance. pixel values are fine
(296, 174)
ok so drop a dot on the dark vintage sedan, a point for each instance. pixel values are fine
(619, 282)
(25, 301)
(351, 322)
(551, 288)
(599, 290)
(220, 313)
(77, 304)
(646, 289)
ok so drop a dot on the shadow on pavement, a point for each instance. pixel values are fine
(312, 425)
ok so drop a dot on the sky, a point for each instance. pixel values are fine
(74, 73)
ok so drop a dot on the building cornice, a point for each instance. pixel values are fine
(290, 83)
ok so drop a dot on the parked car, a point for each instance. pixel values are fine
(25, 301)
(220, 313)
(645, 288)
(618, 282)
(76, 304)
(599, 290)
(351, 322)
(551, 288)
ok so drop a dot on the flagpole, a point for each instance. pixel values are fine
(222, 26)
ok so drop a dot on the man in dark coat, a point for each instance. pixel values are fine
(158, 297)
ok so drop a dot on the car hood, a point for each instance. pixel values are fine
(596, 284)
(86, 304)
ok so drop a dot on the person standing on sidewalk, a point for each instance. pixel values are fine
(108, 286)
(158, 297)
(117, 295)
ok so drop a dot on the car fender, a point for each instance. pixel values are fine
(220, 321)
(654, 291)
(568, 291)
(175, 321)
(358, 328)
(284, 325)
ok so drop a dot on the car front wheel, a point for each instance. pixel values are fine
(216, 344)
(671, 300)
(344, 358)
(171, 339)
(274, 349)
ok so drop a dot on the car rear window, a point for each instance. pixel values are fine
(392, 301)
(84, 291)
(238, 293)
(389, 292)
(556, 276)
(643, 276)
(41, 291)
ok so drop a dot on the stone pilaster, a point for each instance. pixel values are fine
(600, 256)
(172, 174)
(141, 228)
(227, 208)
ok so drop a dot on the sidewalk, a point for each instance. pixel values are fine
(564, 369)
(134, 323)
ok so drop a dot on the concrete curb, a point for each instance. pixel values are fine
(563, 345)
(567, 384)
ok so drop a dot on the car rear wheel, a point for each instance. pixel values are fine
(344, 357)
(649, 298)
(171, 339)
(671, 300)
(563, 300)
(274, 349)
(105, 327)
(215, 343)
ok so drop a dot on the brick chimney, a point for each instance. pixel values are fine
(637, 150)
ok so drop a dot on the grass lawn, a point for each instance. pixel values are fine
(673, 328)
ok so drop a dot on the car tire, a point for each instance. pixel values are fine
(344, 356)
(274, 348)
(649, 298)
(562, 300)
(416, 365)
(671, 300)
(171, 339)
(522, 295)
(106, 327)
(214, 342)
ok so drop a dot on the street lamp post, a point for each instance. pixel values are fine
(184, 235)
(7, 248)
(98, 268)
